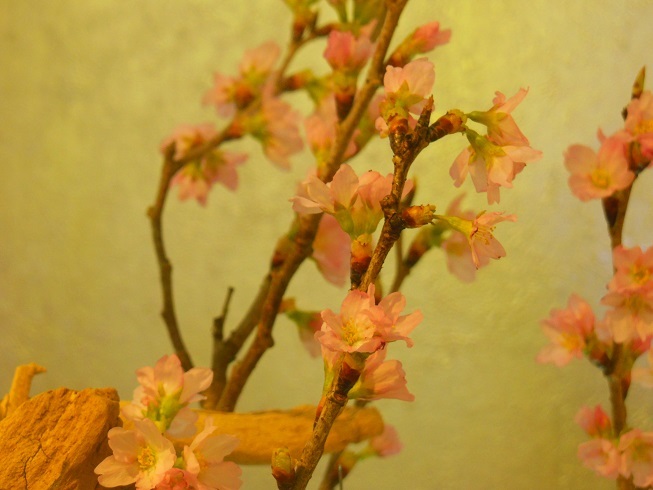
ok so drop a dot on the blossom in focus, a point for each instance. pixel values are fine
(422, 40)
(363, 326)
(502, 129)
(594, 421)
(205, 459)
(598, 175)
(231, 93)
(456, 247)
(164, 394)
(178, 479)
(636, 449)
(639, 122)
(633, 269)
(568, 330)
(381, 379)
(353, 329)
(275, 125)
(602, 456)
(490, 165)
(141, 456)
(331, 251)
(478, 233)
(353, 201)
(406, 92)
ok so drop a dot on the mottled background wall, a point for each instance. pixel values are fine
(89, 88)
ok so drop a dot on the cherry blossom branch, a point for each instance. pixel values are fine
(302, 241)
(155, 212)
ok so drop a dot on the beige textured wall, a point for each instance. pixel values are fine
(89, 88)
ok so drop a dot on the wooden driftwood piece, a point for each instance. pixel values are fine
(260, 433)
(20, 386)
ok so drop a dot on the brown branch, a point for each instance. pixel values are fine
(303, 240)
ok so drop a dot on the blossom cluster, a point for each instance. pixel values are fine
(357, 336)
(629, 454)
(145, 455)
(620, 158)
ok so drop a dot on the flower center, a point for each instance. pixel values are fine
(600, 177)
(644, 126)
(350, 333)
(482, 233)
(146, 458)
(640, 275)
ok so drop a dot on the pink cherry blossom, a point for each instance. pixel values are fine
(456, 246)
(205, 459)
(478, 233)
(491, 166)
(568, 330)
(594, 421)
(177, 479)
(353, 201)
(195, 179)
(602, 456)
(187, 137)
(639, 122)
(141, 456)
(636, 449)
(164, 394)
(331, 251)
(595, 176)
(502, 129)
(229, 94)
(422, 40)
(631, 314)
(353, 329)
(386, 444)
(381, 379)
(406, 92)
(321, 131)
(633, 269)
(346, 52)
(395, 326)
(275, 125)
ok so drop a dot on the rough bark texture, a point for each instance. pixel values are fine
(57, 438)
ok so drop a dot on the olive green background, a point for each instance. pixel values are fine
(88, 89)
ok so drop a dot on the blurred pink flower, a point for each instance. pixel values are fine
(141, 456)
(639, 122)
(195, 179)
(205, 459)
(595, 176)
(275, 125)
(602, 456)
(332, 251)
(321, 131)
(177, 479)
(229, 94)
(388, 443)
(594, 421)
(568, 330)
(381, 379)
(631, 314)
(186, 137)
(633, 269)
(406, 92)
(308, 322)
(636, 449)
(346, 52)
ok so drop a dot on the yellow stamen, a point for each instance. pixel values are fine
(600, 177)
(146, 458)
